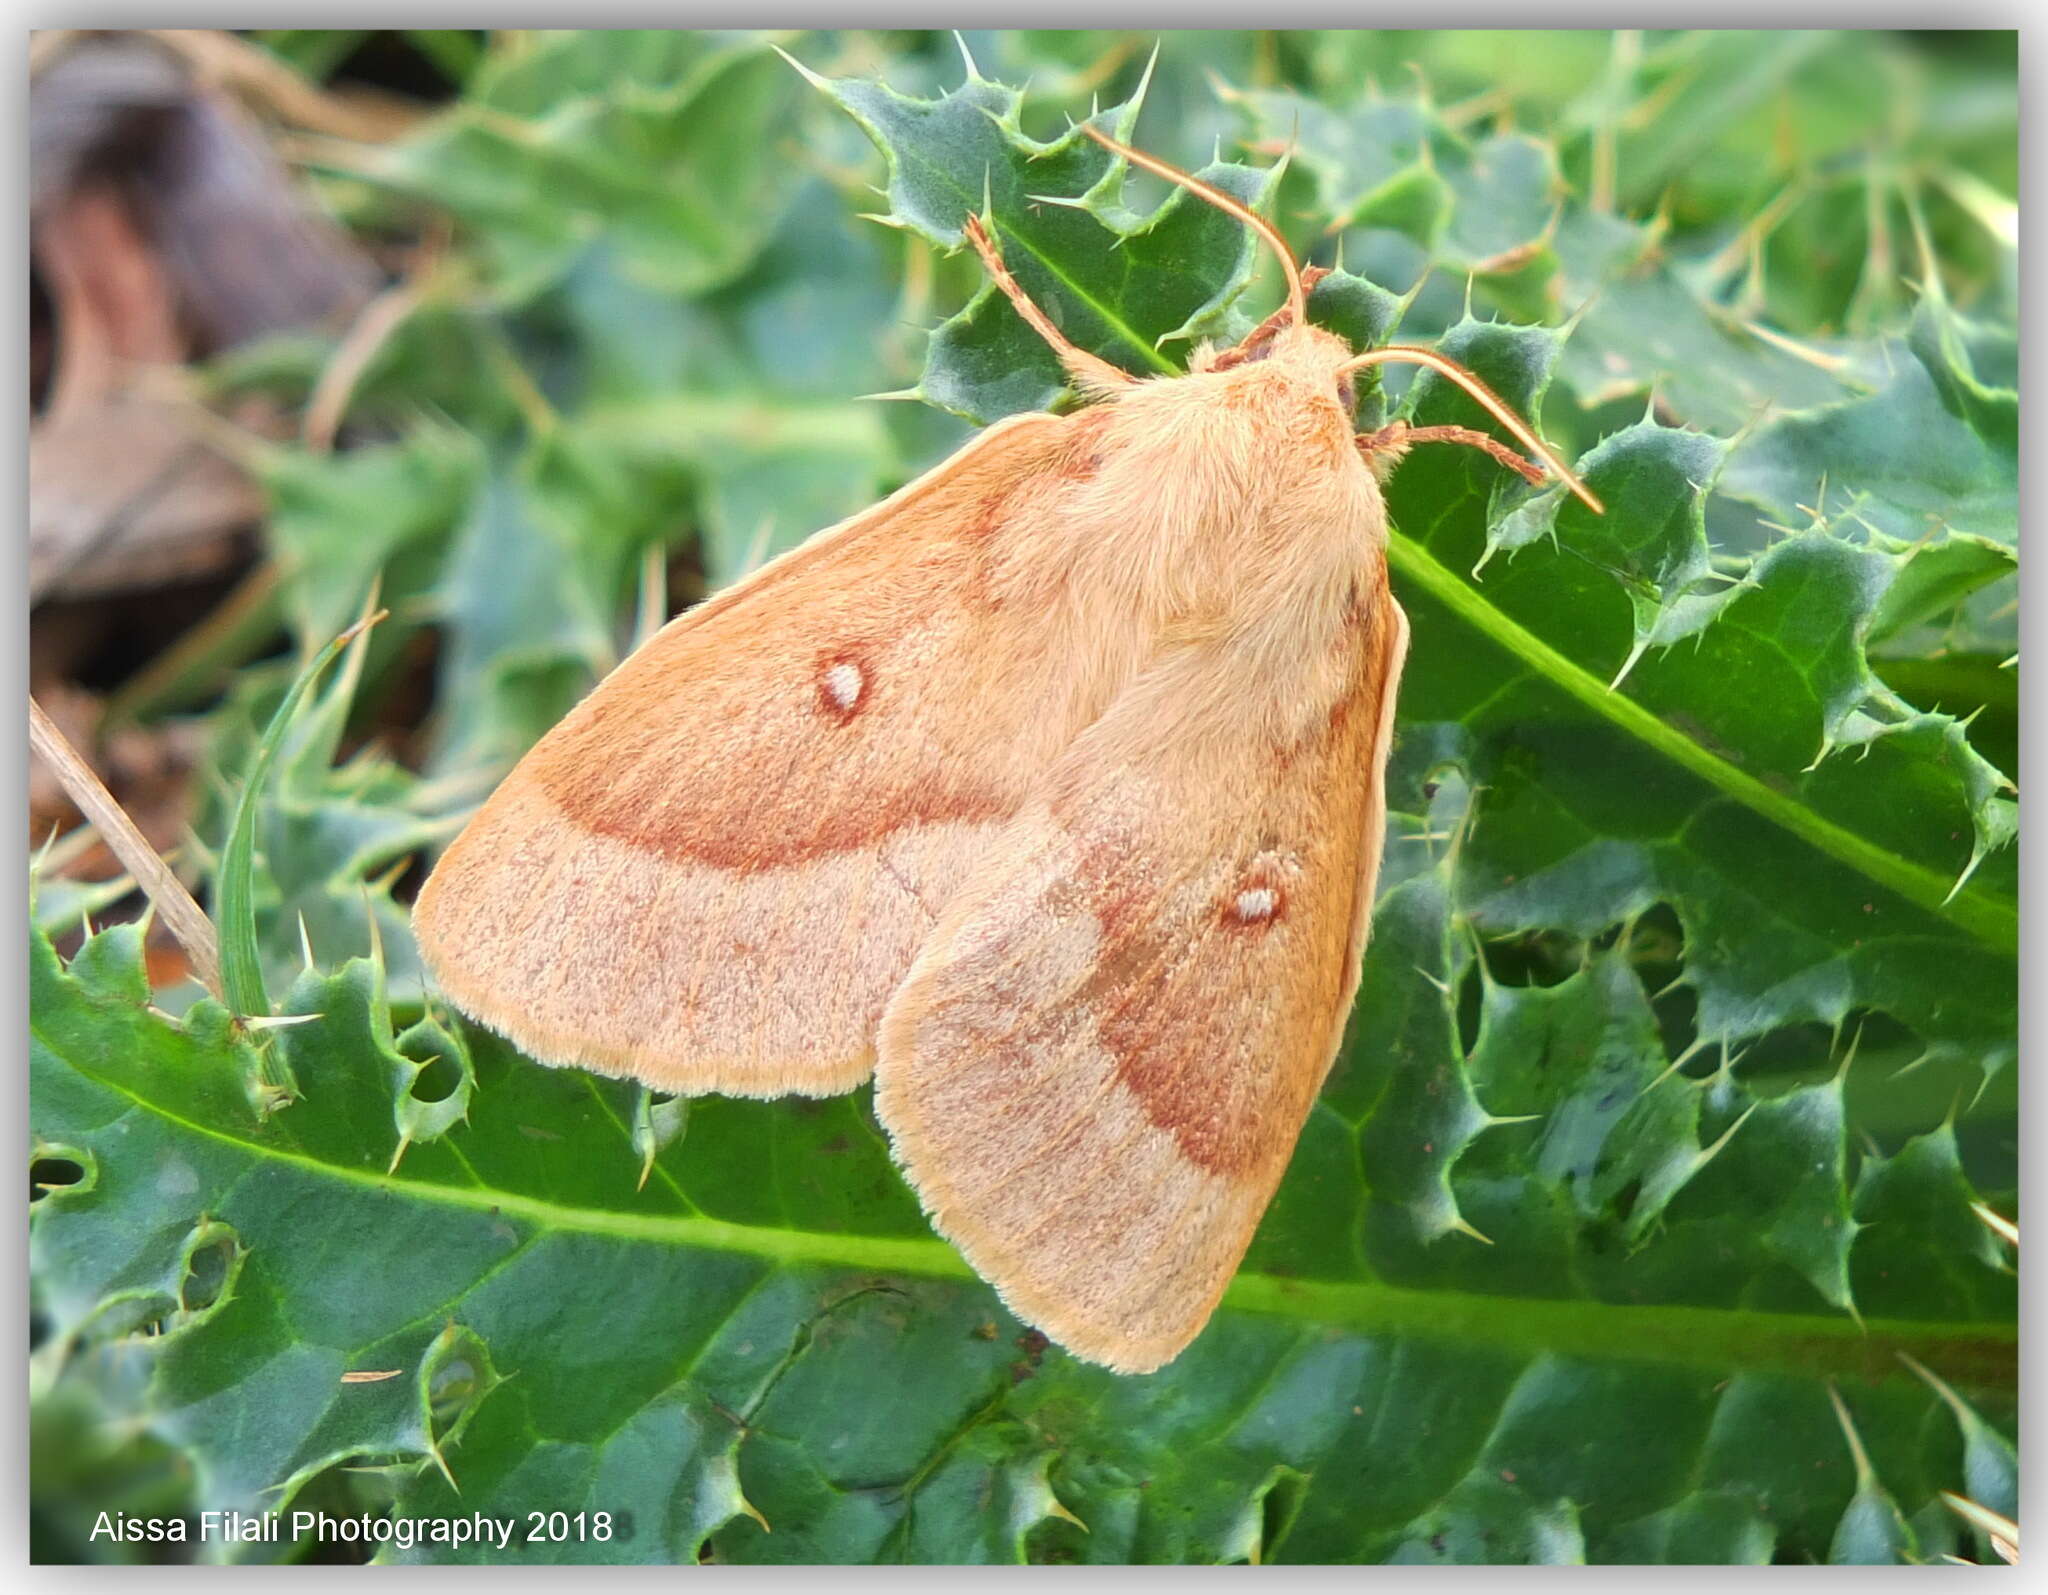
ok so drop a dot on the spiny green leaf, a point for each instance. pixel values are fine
(1369, 164)
(1682, 710)
(1933, 578)
(1644, 328)
(523, 1225)
(1899, 458)
(1116, 283)
(1990, 1462)
(1483, 205)
(330, 838)
(1872, 1531)
(1711, 84)
(1913, 1233)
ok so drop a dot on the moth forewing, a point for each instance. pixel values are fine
(713, 872)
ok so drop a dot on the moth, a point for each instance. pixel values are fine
(1049, 792)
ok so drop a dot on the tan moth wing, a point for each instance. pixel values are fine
(712, 874)
(1100, 1064)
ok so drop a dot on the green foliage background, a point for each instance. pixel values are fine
(1636, 1221)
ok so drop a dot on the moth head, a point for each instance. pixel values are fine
(1288, 335)
(1320, 355)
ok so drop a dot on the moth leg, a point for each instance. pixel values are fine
(1090, 370)
(1385, 449)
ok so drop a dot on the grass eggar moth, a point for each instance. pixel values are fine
(1049, 791)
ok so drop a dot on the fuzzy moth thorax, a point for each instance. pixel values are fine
(1227, 514)
(1226, 495)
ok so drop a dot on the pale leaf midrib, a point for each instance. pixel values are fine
(897, 154)
(1123, 330)
(1990, 921)
(1705, 1337)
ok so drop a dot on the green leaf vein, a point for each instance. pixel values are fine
(1991, 921)
(1976, 1356)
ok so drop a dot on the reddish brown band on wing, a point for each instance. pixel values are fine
(1148, 1036)
(686, 758)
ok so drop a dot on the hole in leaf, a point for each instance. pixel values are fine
(52, 1173)
(1053, 1542)
(206, 1274)
(139, 1317)
(1790, 1057)
(1657, 938)
(438, 1081)
(1279, 1507)
(1543, 958)
(1677, 1013)
(449, 1391)
(346, 1489)
(458, 1376)
(1471, 998)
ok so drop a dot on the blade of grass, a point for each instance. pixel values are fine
(234, 887)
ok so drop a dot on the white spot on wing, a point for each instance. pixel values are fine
(844, 684)
(1260, 897)
(1255, 906)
